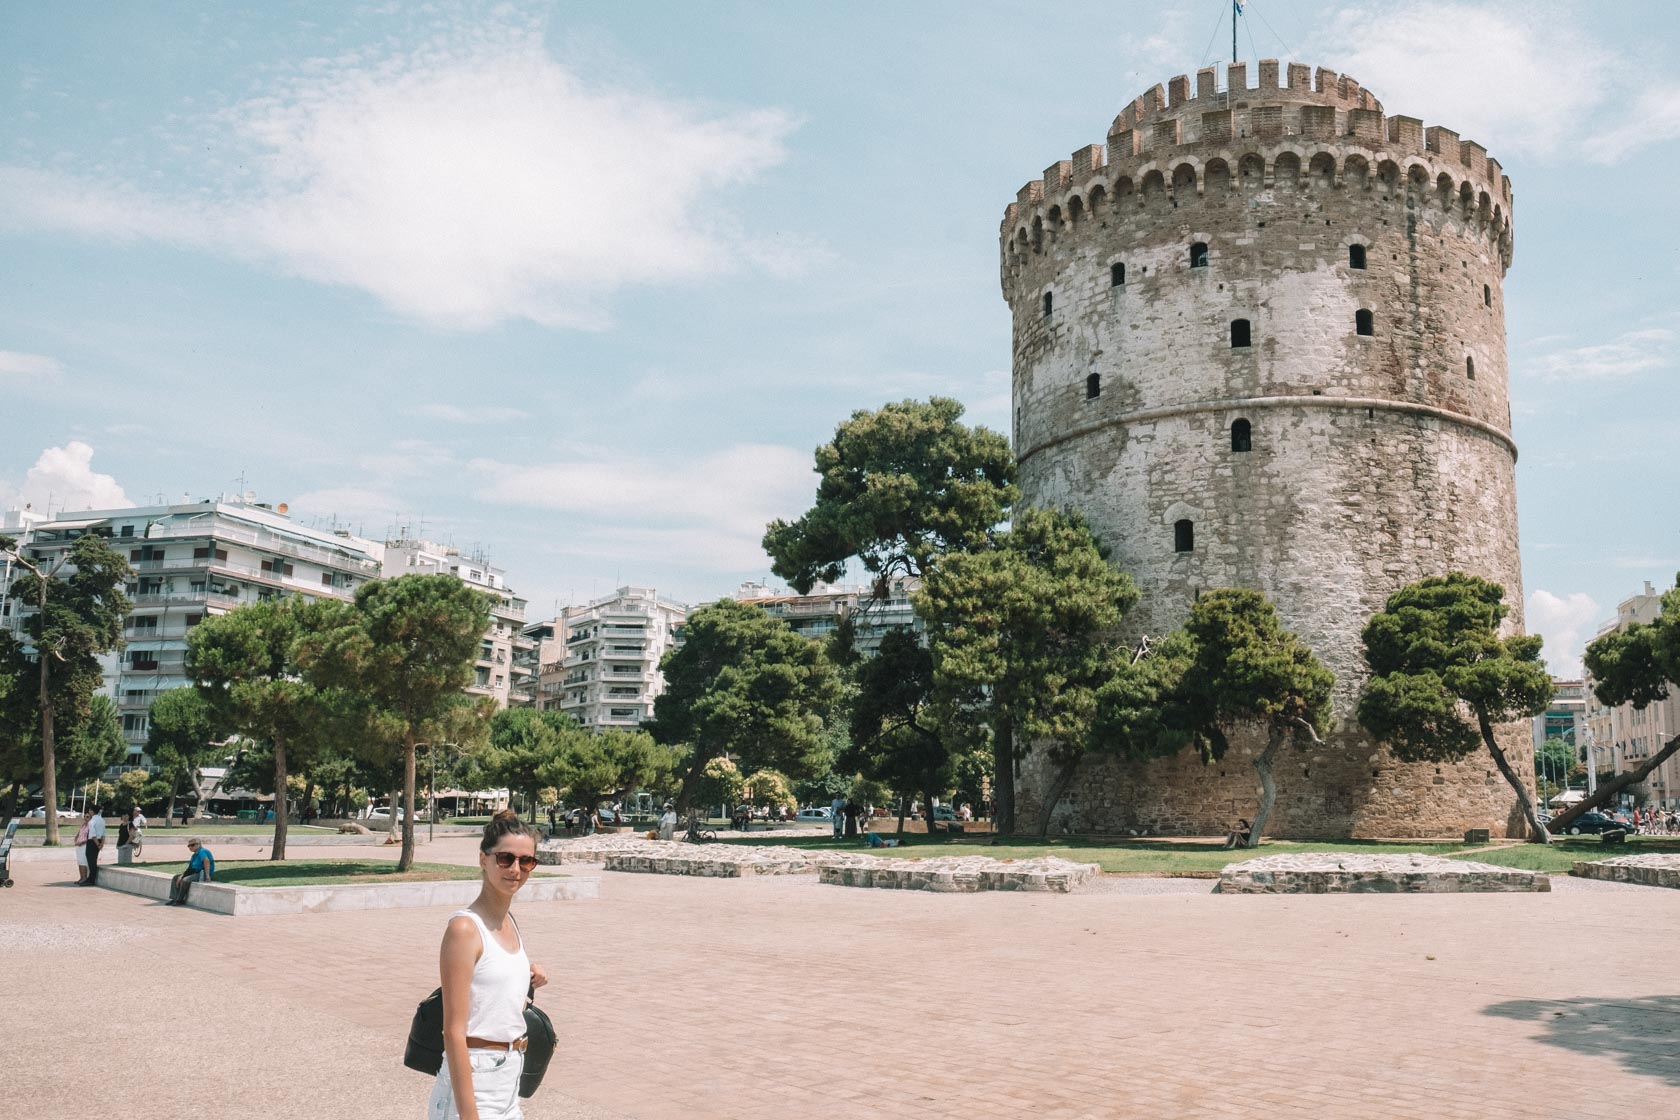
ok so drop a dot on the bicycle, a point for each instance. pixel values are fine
(698, 833)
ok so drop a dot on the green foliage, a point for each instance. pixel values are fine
(1136, 717)
(1442, 675)
(1556, 759)
(95, 746)
(525, 746)
(613, 763)
(1245, 668)
(182, 737)
(897, 737)
(769, 788)
(719, 783)
(1638, 664)
(20, 721)
(900, 486)
(745, 684)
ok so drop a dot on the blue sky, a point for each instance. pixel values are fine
(582, 285)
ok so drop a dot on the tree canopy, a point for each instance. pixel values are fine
(900, 485)
(744, 684)
(1442, 677)
(1021, 637)
(182, 739)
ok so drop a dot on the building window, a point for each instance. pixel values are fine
(1363, 323)
(1487, 296)
(1241, 436)
(1199, 255)
(1356, 256)
(1049, 304)
(1184, 536)
(1239, 333)
(1470, 367)
(1093, 386)
(1116, 274)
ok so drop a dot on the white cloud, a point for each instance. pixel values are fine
(471, 414)
(1653, 117)
(1566, 622)
(16, 363)
(460, 185)
(63, 479)
(1517, 76)
(1630, 353)
(709, 511)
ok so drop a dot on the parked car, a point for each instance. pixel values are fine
(944, 813)
(1595, 823)
(40, 813)
(815, 815)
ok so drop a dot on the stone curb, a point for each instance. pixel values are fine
(1412, 873)
(243, 902)
(1651, 870)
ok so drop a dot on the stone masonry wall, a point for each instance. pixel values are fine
(1374, 459)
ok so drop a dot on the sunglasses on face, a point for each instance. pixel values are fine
(504, 860)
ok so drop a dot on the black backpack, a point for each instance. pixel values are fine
(424, 1051)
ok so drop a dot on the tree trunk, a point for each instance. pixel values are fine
(308, 796)
(406, 859)
(1609, 789)
(393, 802)
(695, 769)
(1268, 787)
(1053, 796)
(1003, 775)
(49, 763)
(281, 815)
(1525, 798)
(169, 807)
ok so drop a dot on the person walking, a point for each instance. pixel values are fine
(95, 842)
(668, 822)
(837, 815)
(201, 868)
(486, 974)
(81, 844)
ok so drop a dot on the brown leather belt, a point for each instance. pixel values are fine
(485, 1044)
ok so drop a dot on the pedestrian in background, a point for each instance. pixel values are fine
(81, 843)
(95, 842)
(136, 830)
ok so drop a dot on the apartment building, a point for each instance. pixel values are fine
(1626, 735)
(502, 670)
(192, 561)
(610, 674)
(543, 660)
(819, 613)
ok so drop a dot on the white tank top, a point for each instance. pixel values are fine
(499, 982)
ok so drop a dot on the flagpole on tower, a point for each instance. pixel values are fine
(1236, 10)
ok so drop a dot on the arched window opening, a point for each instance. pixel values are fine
(1487, 296)
(1239, 333)
(1470, 367)
(1093, 386)
(1362, 322)
(1049, 304)
(1199, 255)
(1184, 536)
(1116, 274)
(1356, 256)
(1242, 436)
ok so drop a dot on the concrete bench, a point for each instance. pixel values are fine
(1477, 836)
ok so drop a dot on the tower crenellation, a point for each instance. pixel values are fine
(1259, 341)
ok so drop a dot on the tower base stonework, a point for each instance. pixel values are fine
(1346, 789)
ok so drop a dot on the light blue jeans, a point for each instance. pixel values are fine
(495, 1081)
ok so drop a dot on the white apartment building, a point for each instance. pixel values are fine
(502, 669)
(610, 674)
(544, 663)
(191, 561)
(1628, 736)
(818, 614)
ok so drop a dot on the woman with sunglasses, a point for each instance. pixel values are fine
(485, 977)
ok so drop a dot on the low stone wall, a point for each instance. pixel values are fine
(1342, 873)
(1651, 870)
(960, 874)
(237, 901)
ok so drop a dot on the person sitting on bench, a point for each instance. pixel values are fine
(1238, 836)
(201, 868)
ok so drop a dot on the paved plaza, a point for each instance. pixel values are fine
(776, 997)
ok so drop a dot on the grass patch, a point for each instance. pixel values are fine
(1560, 856)
(320, 872)
(1157, 857)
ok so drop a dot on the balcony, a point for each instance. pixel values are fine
(268, 542)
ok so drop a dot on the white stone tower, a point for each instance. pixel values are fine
(1259, 341)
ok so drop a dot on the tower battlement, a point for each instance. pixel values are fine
(1318, 125)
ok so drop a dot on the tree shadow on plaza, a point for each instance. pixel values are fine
(1642, 1034)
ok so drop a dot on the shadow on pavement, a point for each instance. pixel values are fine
(1642, 1034)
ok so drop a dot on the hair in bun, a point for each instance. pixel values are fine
(505, 822)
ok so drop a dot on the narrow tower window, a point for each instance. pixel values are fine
(1049, 302)
(1116, 274)
(1487, 296)
(1241, 436)
(1239, 333)
(1356, 256)
(1362, 322)
(1470, 367)
(1199, 255)
(1184, 536)
(1093, 386)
